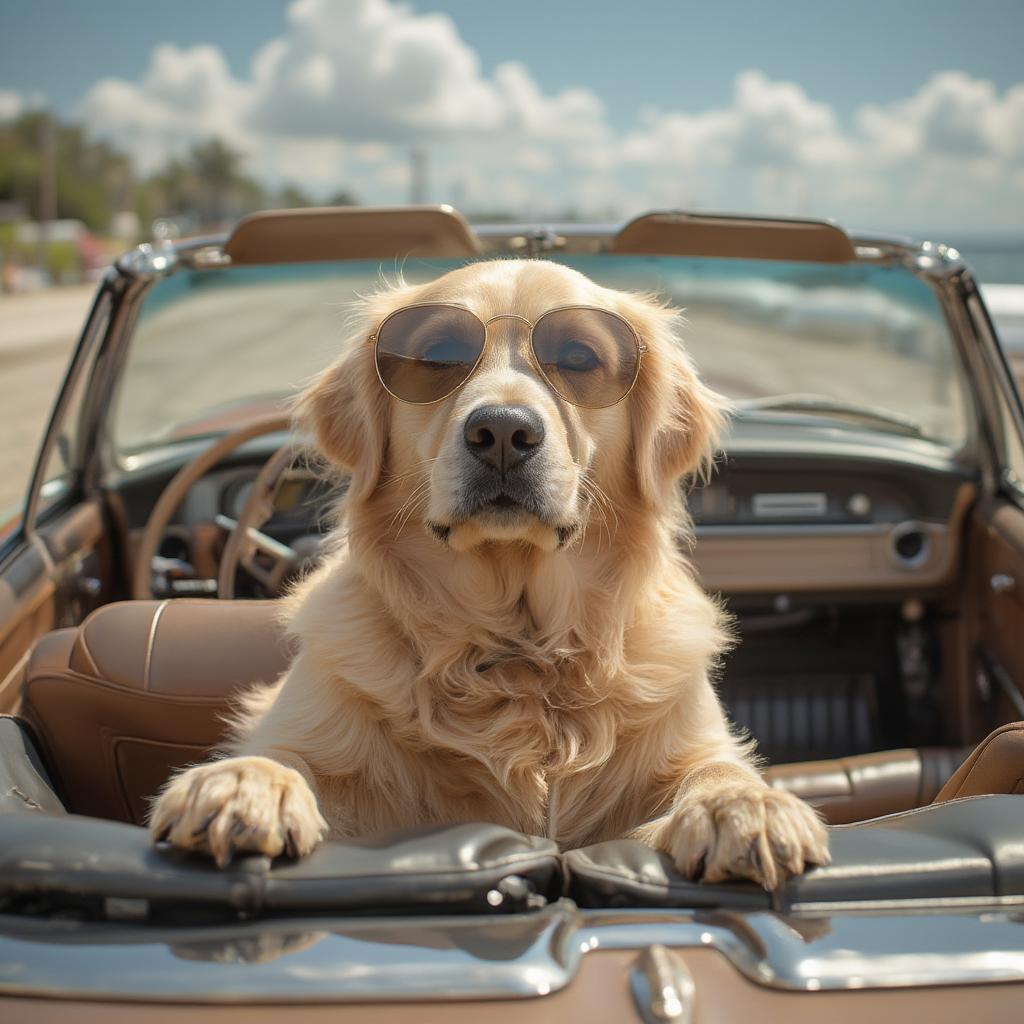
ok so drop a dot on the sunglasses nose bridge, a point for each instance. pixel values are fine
(507, 316)
(507, 340)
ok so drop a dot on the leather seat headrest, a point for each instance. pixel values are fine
(195, 647)
(142, 688)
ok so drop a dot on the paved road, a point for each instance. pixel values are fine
(280, 336)
(37, 332)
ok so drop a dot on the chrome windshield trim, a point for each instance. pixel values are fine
(930, 260)
(148, 261)
(514, 956)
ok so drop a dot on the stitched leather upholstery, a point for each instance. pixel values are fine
(995, 766)
(439, 870)
(963, 849)
(142, 688)
(851, 789)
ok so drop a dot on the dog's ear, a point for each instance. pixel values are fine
(676, 419)
(345, 410)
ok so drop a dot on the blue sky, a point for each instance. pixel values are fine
(632, 104)
(666, 53)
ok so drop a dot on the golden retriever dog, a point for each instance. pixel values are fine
(507, 628)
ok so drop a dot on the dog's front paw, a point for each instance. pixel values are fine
(240, 804)
(743, 830)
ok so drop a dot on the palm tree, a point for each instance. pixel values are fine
(177, 185)
(216, 166)
(291, 197)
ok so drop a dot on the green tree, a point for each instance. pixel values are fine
(291, 197)
(92, 179)
(216, 168)
(172, 191)
(205, 189)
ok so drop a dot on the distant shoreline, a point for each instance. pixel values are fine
(993, 260)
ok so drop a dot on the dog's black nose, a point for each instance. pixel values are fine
(503, 436)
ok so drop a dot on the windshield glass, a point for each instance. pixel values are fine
(865, 347)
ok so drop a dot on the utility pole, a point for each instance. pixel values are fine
(47, 185)
(418, 169)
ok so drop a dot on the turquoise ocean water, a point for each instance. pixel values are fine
(994, 262)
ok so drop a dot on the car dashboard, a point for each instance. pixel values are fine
(837, 553)
(790, 508)
(820, 511)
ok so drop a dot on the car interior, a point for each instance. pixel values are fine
(876, 581)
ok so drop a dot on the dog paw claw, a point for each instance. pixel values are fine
(738, 831)
(236, 806)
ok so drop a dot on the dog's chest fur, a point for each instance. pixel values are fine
(513, 742)
(451, 716)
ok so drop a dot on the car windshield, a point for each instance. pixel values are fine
(860, 346)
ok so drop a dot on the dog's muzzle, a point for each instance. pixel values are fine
(503, 437)
(502, 441)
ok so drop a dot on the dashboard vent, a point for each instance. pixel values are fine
(805, 717)
(793, 505)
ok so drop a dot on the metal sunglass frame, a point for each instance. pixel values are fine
(374, 339)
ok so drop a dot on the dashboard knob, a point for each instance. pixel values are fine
(858, 504)
(1003, 583)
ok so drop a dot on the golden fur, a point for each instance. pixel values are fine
(506, 675)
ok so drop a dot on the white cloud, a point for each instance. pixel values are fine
(949, 153)
(339, 97)
(373, 69)
(320, 165)
(185, 96)
(369, 70)
(952, 116)
(347, 79)
(769, 124)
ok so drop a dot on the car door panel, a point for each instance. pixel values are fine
(53, 579)
(56, 563)
(997, 567)
(80, 547)
(26, 612)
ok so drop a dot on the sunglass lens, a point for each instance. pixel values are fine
(425, 352)
(589, 356)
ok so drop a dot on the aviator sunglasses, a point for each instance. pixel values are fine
(425, 352)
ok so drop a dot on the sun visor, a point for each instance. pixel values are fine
(351, 233)
(750, 238)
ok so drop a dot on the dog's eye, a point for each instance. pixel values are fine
(577, 357)
(447, 350)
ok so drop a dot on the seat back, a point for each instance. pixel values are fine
(995, 766)
(142, 688)
(849, 789)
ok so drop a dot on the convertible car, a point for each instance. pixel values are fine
(864, 526)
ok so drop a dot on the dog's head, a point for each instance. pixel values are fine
(504, 458)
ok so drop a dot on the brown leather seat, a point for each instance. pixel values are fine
(995, 766)
(143, 687)
(866, 786)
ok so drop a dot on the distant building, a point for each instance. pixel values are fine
(11, 210)
(31, 232)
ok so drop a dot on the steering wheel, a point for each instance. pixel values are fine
(267, 560)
